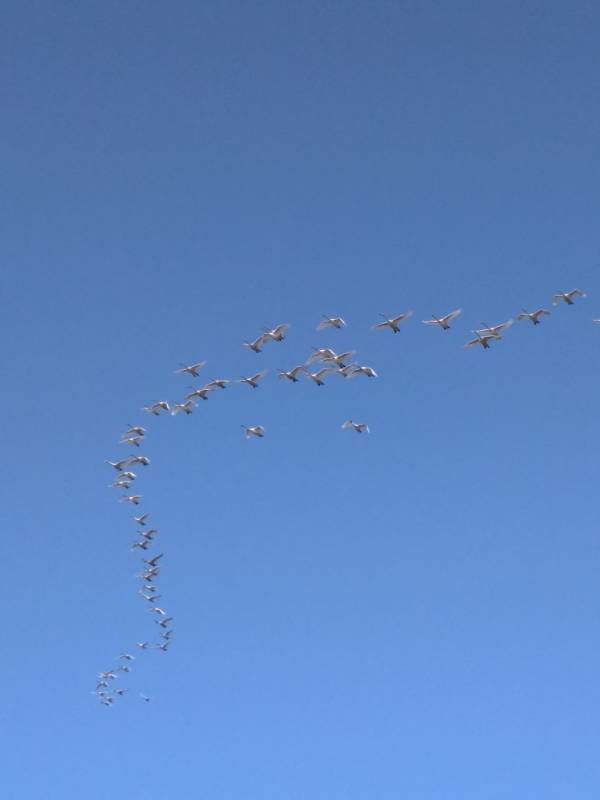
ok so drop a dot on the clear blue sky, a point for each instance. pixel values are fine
(411, 614)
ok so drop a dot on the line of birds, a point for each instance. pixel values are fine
(329, 363)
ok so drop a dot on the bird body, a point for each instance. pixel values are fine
(142, 519)
(331, 322)
(567, 297)
(156, 408)
(292, 374)
(495, 330)
(533, 316)
(358, 370)
(393, 323)
(191, 369)
(317, 377)
(187, 407)
(254, 430)
(483, 340)
(254, 379)
(359, 427)
(443, 322)
(257, 345)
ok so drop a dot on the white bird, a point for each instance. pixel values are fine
(143, 645)
(128, 476)
(443, 322)
(144, 460)
(191, 369)
(257, 345)
(132, 440)
(163, 646)
(347, 372)
(167, 634)
(533, 316)
(484, 340)
(368, 371)
(107, 676)
(596, 321)
(119, 691)
(157, 610)
(148, 534)
(152, 562)
(220, 383)
(142, 519)
(118, 465)
(292, 374)
(320, 354)
(120, 483)
(123, 668)
(132, 498)
(339, 359)
(317, 377)
(156, 408)
(186, 407)
(127, 657)
(330, 322)
(393, 323)
(567, 296)
(277, 333)
(145, 698)
(134, 430)
(163, 622)
(143, 545)
(495, 330)
(254, 379)
(359, 427)
(202, 393)
(254, 430)
(151, 598)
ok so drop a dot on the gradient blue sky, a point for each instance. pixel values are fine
(411, 614)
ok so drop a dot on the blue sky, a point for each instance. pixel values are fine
(411, 613)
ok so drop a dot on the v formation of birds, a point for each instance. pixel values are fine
(321, 363)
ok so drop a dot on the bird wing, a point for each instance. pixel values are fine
(385, 324)
(473, 342)
(280, 329)
(452, 315)
(348, 424)
(402, 317)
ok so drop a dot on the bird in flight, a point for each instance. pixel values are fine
(191, 369)
(443, 322)
(567, 297)
(495, 330)
(393, 323)
(254, 379)
(533, 316)
(483, 340)
(330, 322)
(292, 374)
(254, 430)
(359, 427)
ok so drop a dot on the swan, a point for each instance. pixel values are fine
(393, 323)
(443, 322)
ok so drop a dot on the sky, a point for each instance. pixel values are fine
(413, 612)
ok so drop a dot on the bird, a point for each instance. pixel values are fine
(567, 296)
(357, 370)
(495, 330)
(132, 498)
(292, 374)
(145, 698)
(156, 408)
(134, 430)
(118, 465)
(597, 321)
(533, 316)
(338, 359)
(163, 622)
(143, 545)
(277, 333)
(257, 345)
(443, 322)
(148, 534)
(191, 369)
(320, 354)
(154, 560)
(128, 476)
(254, 430)
(134, 441)
(318, 376)
(167, 634)
(484, 340)
(254, 379)
(359, 427)
(107, 676)
(348, 371)
(150, 597)
(143, 645)
(143, 460)
(120, 483)
(142, 519)
(186, 407)
(127, 657)
(214, 383)
(393, 322)
(163, 646)
(330, 322)
(157, 610)
(123, 668)
(202, 393)
(119, 691)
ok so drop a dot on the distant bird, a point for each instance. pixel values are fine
(107, 676)
(143, 460)
(120, 483)
(142, 519)
(596, 321)
(191, 369)
(495, 330)
(321, 354)
(132, 498)
(164, 621)
(254, 430)
(123, 668)
(292, 374)
(359, 427)
(119, 691)
(118, 465)
(202, 393)
(134, 441)
(167, 634)
(533, 316)
(163, 646)
(220, 383)
(393, 323)
(156, 408)
(317, 377)
(128, 476)
(143, 645)
(148, 534)
(257, 345)
(347, 372)
(368, 371)
(154, 560)
(148, 587)
(330, 322)
(143, 545)
(277, 333)
(254, 379)
(127, 657)
(338, 359)
(145, 698)
(151, 598)
(186, 407)
(134, 430)
(157, 610)
(484, 340)
(567, 297)
(443, 322)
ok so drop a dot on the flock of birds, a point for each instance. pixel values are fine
(322, 362)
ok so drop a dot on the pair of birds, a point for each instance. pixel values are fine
(259, 431)
(276, 334)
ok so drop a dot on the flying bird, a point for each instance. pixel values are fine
(484, 340)
(292, 374)
(443, 322)
(359, 427)
(132, 498)
(357, 370)
(186, 407)
(321, 354)
(220, 383)
(317, 377)
(156, 408)
(254, 379)
(277, 333)
(142, 519)
(567, 297)
(254, 430)
(495, 330)
(191, 369)
(257, 345)
(202, 393)
(134, 430)
(154, 560)
(338, 359)
(330, 322)
(533, 316)
(393, 323)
